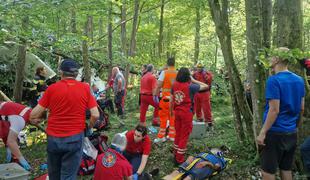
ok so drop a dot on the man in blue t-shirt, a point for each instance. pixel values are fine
(285, 93)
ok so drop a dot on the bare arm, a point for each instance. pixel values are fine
(203, 86)
(12, 144)
(94, 115)
(128, 178)
(119, 85)
(143, 164)
(301, 113)
(274, 106)
(36, 114)
(158, 87)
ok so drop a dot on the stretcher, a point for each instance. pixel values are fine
(182, 172)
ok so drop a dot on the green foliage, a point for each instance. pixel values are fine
(292, 55)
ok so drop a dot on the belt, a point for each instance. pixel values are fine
(204, 91)
(144, 94)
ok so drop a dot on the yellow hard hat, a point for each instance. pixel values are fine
(199, 65)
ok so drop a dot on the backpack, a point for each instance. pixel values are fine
(87, 165)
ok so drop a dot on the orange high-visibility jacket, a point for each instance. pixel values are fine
(170, 76)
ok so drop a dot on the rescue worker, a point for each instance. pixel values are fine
(202, 99)
(112, 165)
(138, 149)
(183, 92)
(13, 118)
(147, 89)
(143, 69)
(164, 83)
(119, 90)
(67, 101)
(39, 85)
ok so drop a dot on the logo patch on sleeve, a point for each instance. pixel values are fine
(109, 159)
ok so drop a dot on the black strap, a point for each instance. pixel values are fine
(6, 118)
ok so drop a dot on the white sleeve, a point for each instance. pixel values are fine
(17, 123)
(161, 76)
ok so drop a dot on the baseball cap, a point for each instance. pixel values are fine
(69, 65)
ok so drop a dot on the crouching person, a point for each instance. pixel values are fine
(112, 165)
(138, 149)
(13, 118)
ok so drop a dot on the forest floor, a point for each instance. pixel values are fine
(245, 164)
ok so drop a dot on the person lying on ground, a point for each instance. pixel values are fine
(13, 118)
(201, 166)
(138, 149)
(112, 165)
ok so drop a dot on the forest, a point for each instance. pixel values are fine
(234, 39)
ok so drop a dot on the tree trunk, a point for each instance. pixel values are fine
(289, 25)
(257, 75)
(220, 18)
(236, 114)
(73, 21)
(197, 35)
(123, 29)
(100, 29)
(215, 56)
(90, 28)
(110, 54)
(267, 22)
(132, 49)
(87, 70)
(161, 28)
(20, 64)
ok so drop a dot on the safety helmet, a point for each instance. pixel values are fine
(119, 141)
(199, 65)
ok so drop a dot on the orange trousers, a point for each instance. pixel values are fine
(164, 116)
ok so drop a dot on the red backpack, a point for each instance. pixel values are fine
(88, 164)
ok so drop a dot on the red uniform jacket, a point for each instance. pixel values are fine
(204, 76)
(11, 108)
(181, 96)
(111, 165)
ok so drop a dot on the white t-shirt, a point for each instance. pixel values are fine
(161, 76)
(17, 123)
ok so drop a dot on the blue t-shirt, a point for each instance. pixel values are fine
(289, 88)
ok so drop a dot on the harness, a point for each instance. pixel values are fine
(185, 171)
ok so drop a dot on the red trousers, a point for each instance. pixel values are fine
(203, 106)
(183, 127)
(147, 100)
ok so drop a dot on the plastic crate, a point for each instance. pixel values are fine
(13, 171)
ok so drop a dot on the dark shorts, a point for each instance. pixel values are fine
(278, 152)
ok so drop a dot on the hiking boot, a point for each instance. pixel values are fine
(200, 120)
(210, 127)
(160, 140)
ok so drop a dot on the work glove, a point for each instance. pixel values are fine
(24, 163)
(135, 176)
(156, 99)
(8, 155)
